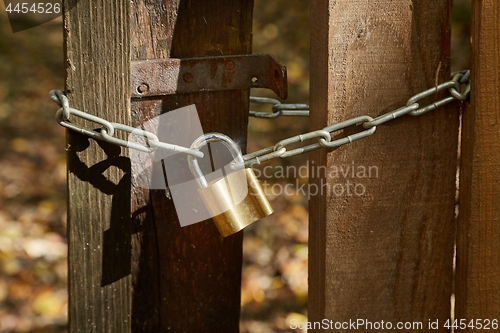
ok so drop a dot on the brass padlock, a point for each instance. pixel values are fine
(235, 200)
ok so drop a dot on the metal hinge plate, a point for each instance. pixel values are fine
(171, 76)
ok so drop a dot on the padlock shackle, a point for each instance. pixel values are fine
(202, 141)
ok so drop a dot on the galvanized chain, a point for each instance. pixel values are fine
(367, 123)
(278, 109)
(108, 129)
(324, 135)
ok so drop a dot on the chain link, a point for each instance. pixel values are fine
(278, 109)
(108, 129)
(366, 125)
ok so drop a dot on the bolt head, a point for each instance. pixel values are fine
(229, 64)
(144, 87)
(188, 78)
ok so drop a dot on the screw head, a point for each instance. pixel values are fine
(188, 78)
(229, 64)
(144, 87)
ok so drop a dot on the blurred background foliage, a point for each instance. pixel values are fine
(33, 268)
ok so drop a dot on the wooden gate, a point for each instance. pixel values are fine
(386, 255)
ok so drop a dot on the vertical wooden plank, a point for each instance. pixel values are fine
(478, 241)
(383, 253)
(187, 279)
(97, 60)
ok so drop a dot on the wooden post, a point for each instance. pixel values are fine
(478, 241)
(384, 252)
(187, 279)
(132, 268)
(99, 224)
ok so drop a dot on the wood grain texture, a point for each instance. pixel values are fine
(187, 279)
(99, 228)
(385, 254)
(478, 241)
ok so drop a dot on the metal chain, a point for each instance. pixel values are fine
(368, 123)
(108, 129)
(278, 109)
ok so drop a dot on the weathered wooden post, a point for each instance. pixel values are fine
(386, 254)
(99, 223)
(192, 273)
(132, 268)
(478, 241)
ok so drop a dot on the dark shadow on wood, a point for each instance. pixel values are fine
(116, 243)
(145, 304)
(116, 261)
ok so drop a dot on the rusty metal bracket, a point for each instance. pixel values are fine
(160, 77)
